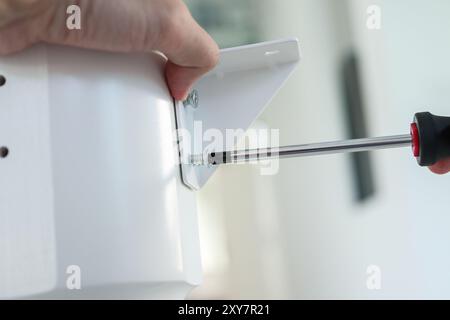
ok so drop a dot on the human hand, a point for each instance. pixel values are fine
(116, 25)
(441, 167)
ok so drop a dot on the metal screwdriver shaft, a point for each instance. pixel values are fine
(355, 145)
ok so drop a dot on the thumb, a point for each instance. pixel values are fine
(180, 79)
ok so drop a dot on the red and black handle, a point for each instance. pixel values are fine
(430, 138)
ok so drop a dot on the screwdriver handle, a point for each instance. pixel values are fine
(430, 138)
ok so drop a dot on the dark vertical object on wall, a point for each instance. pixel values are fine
(356, 128)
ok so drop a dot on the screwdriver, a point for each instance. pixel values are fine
(429, 138)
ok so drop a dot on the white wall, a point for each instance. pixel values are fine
(415, 76)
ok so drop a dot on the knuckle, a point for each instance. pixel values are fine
(172, 17)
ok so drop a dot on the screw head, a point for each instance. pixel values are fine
(4, 151)
(192, 99)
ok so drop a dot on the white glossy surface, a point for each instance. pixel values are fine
(92, 179)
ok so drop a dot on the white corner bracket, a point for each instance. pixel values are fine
(231, 96)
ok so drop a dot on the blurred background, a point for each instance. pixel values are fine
(314, 229)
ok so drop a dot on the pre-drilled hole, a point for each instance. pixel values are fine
(2, 80)
(4, 151)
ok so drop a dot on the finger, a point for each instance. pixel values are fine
(190, 50)
(18, 36)
(441, 167)
(184, 42)
(181, 79)
(21, 22)
(12, 11)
